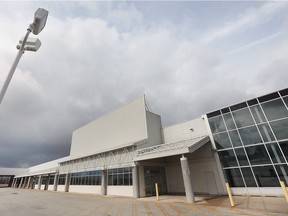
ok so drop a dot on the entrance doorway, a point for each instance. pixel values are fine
(152, 175)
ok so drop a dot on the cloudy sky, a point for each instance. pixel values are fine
(188, 58)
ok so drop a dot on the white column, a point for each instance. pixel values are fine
(135, 175)
(20, 185)
(24, 182)
(39, 182)
(104, 182)
(32, 182)
(16, 182)
(56, 179)
(13, 183)
(47, 182)
(29, 182)
(67, 182)
(187, 180)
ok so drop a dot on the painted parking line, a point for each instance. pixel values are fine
(179, 211)
(120, 210)
(108, 209)
(242, 212)
(191, 207)
(162, 209)
(147, 208)
(134, 208)
(233, 211)
(214, 210)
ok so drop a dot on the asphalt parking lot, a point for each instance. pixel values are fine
(24, 202)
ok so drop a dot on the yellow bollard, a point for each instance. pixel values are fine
(284, 190)
(230, 195)
(157, 193)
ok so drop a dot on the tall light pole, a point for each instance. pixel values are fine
(29, 44)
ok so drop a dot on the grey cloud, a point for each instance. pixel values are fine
(89, 66)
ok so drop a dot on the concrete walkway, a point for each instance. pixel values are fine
(26, 202)
(253, 203)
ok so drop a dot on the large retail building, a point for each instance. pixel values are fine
(127, 151)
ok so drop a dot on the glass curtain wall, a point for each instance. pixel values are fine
(120, 176)
(251, 139)
(61, 180)
(86, 178)
(51, 179)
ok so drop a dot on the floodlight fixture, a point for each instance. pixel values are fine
(26, 43)
(32, 44)
(40, 18)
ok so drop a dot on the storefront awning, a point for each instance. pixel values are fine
(170, 149)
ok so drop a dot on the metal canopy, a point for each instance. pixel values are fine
(170, 149)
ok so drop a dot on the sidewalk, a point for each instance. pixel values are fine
(256, 203)
(24, 202)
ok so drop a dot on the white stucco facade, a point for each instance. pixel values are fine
(88, 189)
(119, 128)
(184, 131)
(126, 151)
(126, 146)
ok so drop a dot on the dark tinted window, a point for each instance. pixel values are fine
(284, 147)
(250, 135)
(234, 177)
(120, 176)
(266, 133)
(268, 97)
(275, 153)
(212, 114)
(225, 110)
(229, 121)
(284, 92)
(222, 140)
(248, 177)
(286, 100)
(51, 179)
(217, 124)
(61, 180)
(258, 114)
(243, 118)
(280, 129)
(235, 138)
(282, 171)
(227, 158)
(258, 155)
(266, 176)
(238, 106)
(275, 109)
(241, 156)
(252, 102)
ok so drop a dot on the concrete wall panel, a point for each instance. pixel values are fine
(174, 177)
(93, 189)
(61, 188)
(185, 130)
(154, 129)
(122, 126)
(50, 187)
(268, 191)
(120, 190)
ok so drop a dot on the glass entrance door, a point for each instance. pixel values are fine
(152, 175)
